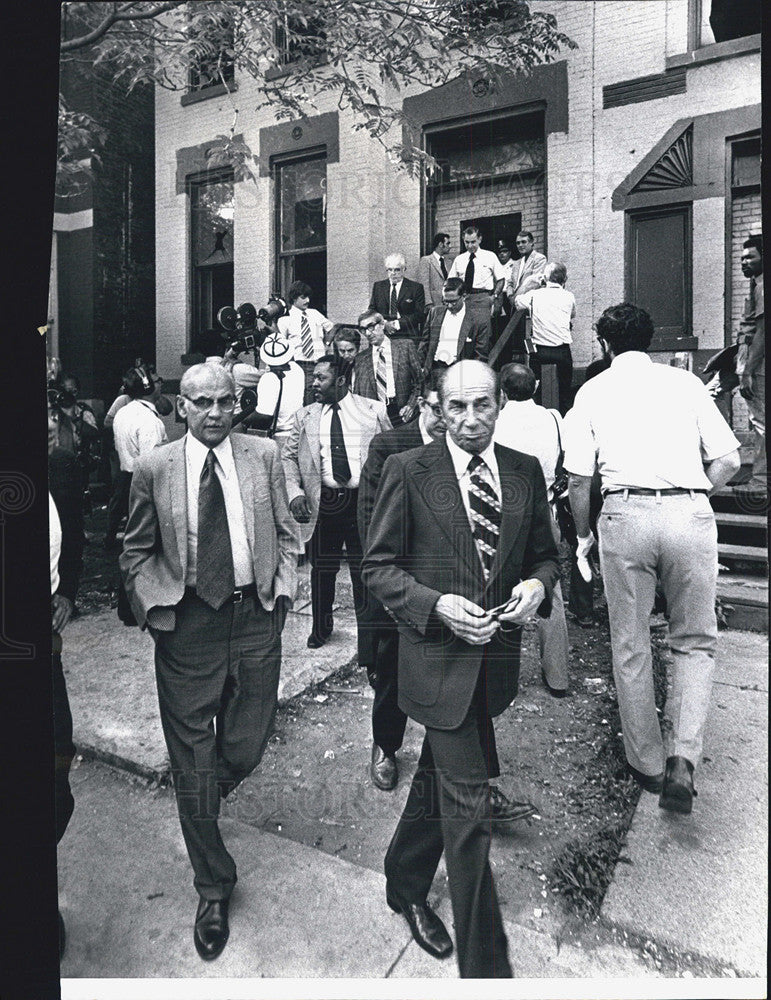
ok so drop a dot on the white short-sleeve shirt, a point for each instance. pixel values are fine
(487, 269)
(645, 426)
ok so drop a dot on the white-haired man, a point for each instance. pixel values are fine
(399, 299)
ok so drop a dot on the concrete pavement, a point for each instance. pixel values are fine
(694, 887)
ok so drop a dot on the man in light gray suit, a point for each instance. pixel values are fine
(209, 565)
(434, 268)
(323, 458)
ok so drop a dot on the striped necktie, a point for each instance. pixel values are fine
(485, 513)
(381, 376)
(306, 338)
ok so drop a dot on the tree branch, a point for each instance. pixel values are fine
(118, 13)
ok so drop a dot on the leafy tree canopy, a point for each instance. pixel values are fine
(363, 52)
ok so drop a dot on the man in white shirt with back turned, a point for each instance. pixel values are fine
(661, 447)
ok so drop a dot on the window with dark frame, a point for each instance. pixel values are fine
(301, 223)
(296, 40)
(212, 210)
(659, 269)
(217, 67)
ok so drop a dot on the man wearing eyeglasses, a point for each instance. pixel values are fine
(389, 371)
(209, 565)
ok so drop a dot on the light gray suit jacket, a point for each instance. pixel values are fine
(301, 454)
(154, 557)
(530, 277)
(430, 277)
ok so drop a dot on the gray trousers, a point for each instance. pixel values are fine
(672, 539)
(553, 641)
(217, 676)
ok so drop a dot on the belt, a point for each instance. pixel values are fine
(338, 491)
(237, 597)
(675, 491)
(479, 291)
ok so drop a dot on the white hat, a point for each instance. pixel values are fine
(276, 351)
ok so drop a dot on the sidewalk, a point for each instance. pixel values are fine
(694, 886)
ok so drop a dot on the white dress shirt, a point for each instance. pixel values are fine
(389, 362)
(525, 426)
(427, 439)
(54, 542)
(137, 428)
(551, 308)
(447, 346)
(645, 425)
(290, 326)
(225, 468)
(349, 420)
(460, 461)
(487, 269)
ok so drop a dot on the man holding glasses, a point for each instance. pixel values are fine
(209, 565)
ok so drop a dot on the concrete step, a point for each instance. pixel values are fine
(744, 520)
(745, 553)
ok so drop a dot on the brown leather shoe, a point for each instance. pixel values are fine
(505, 810)
(211, 931)
(383, 769)
(427, 928)
(678, 791)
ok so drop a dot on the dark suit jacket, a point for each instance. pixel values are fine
(411, 304)
(402, 438)
(407, 373)
(420, 546)
(473, 342)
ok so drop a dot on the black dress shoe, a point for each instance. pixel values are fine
(427, 929)
(316, 641)
(383, 769)
(506, 810)
(211, 930)
(650, 782)
(678, 791)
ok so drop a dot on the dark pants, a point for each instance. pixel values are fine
(64, 748)
(336, 527)
(563, 359)
(307, 367)
(448, 809)
(217, 676)
(119, 503)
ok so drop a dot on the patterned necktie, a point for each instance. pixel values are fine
(392, 305)
(381, 377)
(443, 267)
(341, 470)
(306, 338)
(469, 276)
(215, 578)
(485, 514)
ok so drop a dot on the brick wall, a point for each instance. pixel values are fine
(523, 194)
(746, 218)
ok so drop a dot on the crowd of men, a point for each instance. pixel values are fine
(398, 443)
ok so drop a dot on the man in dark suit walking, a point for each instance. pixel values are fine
(453, 332)
(400, 300)
(209, 565)
(388, 371)
(460, 550)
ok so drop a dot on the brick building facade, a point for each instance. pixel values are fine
(623, 158)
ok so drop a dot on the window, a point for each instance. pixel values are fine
(296, 40)
(714, 21)
(659, 269)
(301, 224)
(745, 163)
(211, 250)
(213, 64)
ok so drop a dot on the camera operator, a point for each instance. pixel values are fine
(137, 428)
(78, 431)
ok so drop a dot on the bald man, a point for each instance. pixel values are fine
(209, 565)
(460, 570)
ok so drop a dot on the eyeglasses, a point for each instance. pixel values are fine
(436, 409)
(204, 403)
(364, 329)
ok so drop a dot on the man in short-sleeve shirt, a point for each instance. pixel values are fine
(661, 446)
(481, 272)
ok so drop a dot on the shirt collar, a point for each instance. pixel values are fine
(150, 405)
(386, 345)
(461, 458)
(197, 451)
(427, 439)
(529, 404)
(342, 403)
(630, 359)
